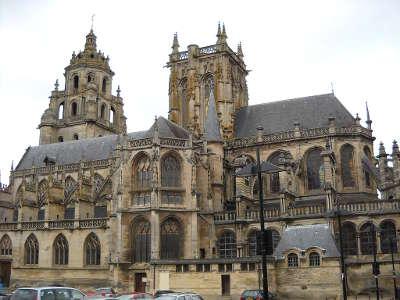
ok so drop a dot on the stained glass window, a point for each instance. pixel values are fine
(170, 172)
(61, 250)
(349, 237)
(92, 250)
(171, 235)
(367, 238)
(31, 250)
(315, 170)
(388, 237)
(227, 245)
(141, 241)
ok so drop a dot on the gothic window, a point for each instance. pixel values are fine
(103, 111)
(61, 250)
(112, 115)
(61, 111)
(252, 241)
(141, 241)
(227, 245)
(92, 250)
(170, 172)
(171, 239)
(274, 183)
(42, 198)
(276, 237)
(31, 250)
(74, 109)
(314, 259)
(315, 170)
(293, 260)
(144, 174)
(347, 164)
(76, 81)
(98, 183)
(104, 85)
(388, 237)
(5, 245)
(70, 187)
(367, 238)
(367, 175)
(349, 238)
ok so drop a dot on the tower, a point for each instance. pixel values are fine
(194, 72)
(86, 107)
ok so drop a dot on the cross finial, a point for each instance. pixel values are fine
(118, 91)
(91, 28)
(56, 85)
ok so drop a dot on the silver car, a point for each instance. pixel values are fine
(180, 296)
(47, 293)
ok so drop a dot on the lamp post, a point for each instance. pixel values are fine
(396, 293)
(375, 264)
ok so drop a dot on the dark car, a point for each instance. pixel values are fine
(256, 295)
(162, 292)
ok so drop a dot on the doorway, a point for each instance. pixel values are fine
(140, 282)
(226, 285)
(5, 272)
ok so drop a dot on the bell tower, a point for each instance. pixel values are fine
(86, 107)
(193, 73)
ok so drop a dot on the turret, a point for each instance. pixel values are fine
(368, 121)
(396, 161)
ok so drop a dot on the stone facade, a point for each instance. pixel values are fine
(165, 208)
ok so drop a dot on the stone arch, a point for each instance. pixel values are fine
(31, 250)
(92, 249)
(314, 168)
(75, 80)
(347, 164)
(60, 250)
(171, 238)
(5, 245)
(141, 239)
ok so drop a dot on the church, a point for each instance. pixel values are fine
(94, 205)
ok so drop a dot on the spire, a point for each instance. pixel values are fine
(219, 35)
(175, 44)
(90, 44)
(240, 51)
(382, 151)
(118, 91)
(369, 121)
(224, 36)
(395, 148)
(12, 165)
(56, 85)
(211, 126)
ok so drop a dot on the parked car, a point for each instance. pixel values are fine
(180, 296)
(135, 295)
(256, 295)
(47, 293)
(106, 292)
(162, 292)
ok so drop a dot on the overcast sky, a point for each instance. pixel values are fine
(293, 49)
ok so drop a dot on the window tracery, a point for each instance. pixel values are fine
(31, 250)
(92, 250)
(61, 250)
(315, 170)
(171, 243)
(388, 237)
(347, 164)
(141, 241)
(227, 245)
(349, 233)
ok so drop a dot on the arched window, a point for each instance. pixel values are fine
(60, 139)
(276, 237)
(227, 245)
(92, 250)
(112, 115)
(253, 244)
(61, 250)
(76, 81)
(171, 243)
(103, 112)
(90, 77)
(347, 164)
(315, 170)
(74, 109)
(315, 259)
(98, 184)
(104, 85)
(69, 190)
(349, 237)
(141, 241)
(76, 137)
(42, 198)
(31, 250)
(61, 111)
(274, 183)
(293, 260)
(143, 175)
(367, 175)
(388, 237)
(367, 238)
(170, 172)
(5, 245)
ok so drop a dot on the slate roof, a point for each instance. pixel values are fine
(278, 116)
(306, 236)
(93, 148)
(211, 126)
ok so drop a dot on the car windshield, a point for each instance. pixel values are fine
(24, 294)
(166, 297)
(250, 293)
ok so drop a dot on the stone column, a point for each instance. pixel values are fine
(194, 236)
(155, 235)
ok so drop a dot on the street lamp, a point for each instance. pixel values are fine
(257, 169)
